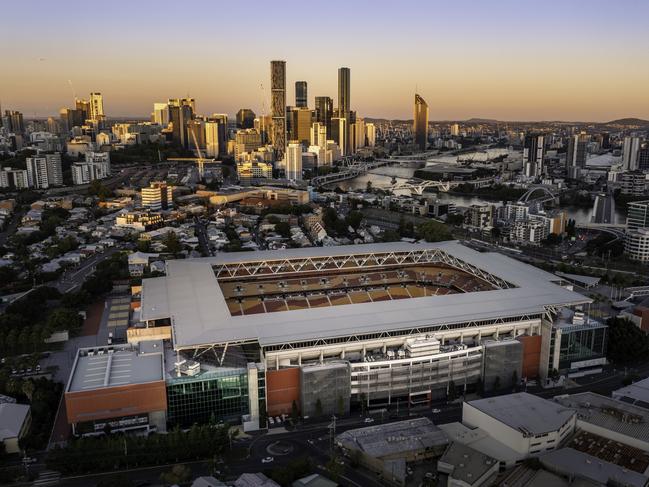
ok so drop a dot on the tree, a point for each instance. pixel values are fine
(318, 408)
(363, 400)
(626, 342)
(28, 389)
(354, 219)
(368, 187)
(294, 412)
(172, 243)
(64, 319)
(554, 375)
(179, 474)
(284, 229)
(455, 219)
(144, 245)
(433, 231)
(335, 468)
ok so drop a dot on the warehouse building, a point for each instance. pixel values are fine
(378, 323)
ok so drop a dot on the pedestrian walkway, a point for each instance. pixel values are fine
(46, 478)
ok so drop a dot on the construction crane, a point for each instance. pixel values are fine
(200, 160)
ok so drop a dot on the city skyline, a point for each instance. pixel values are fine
(502, 61)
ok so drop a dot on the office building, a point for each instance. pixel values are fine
(44, 171)
(181, 111)
(533, 155)
(301, 100)
(338, 131)
(219, 134)
(480, 216)
(250, 170)
(630, 151)
(15, 421)
(83, 106)
(576, 155)
(160, 114)
(293, 162)
(344, 107)
(71, 118)
(246, 141)
(158, 196)
(420, 123)
(117, 389)
(96, 107)
(643, 159)
(324, 107)
(245, 118)
(278, 106)
(370, 134)
(13, 123)
(455, 130)
(14, 178)
(263, 125)
(318, 135)
(301, 122)
(636, 244)
(96, 166)
(637, 215)
(633, 183)
(212, 139)
(416, 321)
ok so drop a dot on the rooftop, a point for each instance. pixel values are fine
(636, 393)
(394, 438)
(117, 365)
(617, 416)
(468, 464)
(581, 465)
(12, 417)
(527, 413)
(191, 296)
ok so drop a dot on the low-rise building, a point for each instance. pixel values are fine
(527, 424)
(467, 467)
(15, 420)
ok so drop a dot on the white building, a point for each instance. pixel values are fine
(160, 114)
(158, 196)
(13, 178)
(96, 166)
(528, 424)
(212, 139)
(630, 153)
(636, 244)
(529, 231)
(293, 162)
(44, 171)
(370, 134)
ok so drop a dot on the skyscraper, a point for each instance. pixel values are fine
(576, 155)
(533, 152)
(420, 122)
(630, 153)
(84, 107)
(302, 119)
(338, 131)
(370, 133)
(278, 106)
(245, 118)
(180, 113)
(212, 139)
(13, 122)
(324, 107)
(301, 100)
(294, 161)
(44, 171)
(161, 114)
(96, 106)
(344, 90)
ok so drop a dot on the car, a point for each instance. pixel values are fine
(436, 411)
(271, 420)
(267, 460)
(368, 420)
(38, 368)
(278, 420)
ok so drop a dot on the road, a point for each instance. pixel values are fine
(76, 276)
(203, 239)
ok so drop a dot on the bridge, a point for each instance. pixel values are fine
(352, 168)
(616, 229)
(417, 186)
(638, 291)
(546, 195)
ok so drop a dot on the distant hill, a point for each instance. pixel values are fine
(629, 121)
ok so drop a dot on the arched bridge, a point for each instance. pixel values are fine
(544, 194)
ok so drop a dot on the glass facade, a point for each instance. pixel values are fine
(210, 396)
(581, 342)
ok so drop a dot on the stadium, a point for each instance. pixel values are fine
(322, 328)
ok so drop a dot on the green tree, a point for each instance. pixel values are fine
(452, 392)
(172, 243)
(64, 319)
(294, 412)
(284, 229)
(28, 389)
(433, 231)
(627, 343)
(144, 245)
(455, 219)
(335, 468)
(179, 474)
(368, 187)
(354, 219)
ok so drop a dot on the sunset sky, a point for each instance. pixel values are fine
(511, 60)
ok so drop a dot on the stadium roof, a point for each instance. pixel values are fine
(191, 296)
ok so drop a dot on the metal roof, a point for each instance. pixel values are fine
(191, 296)
(124, 365)
(12, 417)
(525, 412)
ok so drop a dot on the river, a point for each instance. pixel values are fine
(382, 177)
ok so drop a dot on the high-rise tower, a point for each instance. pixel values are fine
(420, 122)
(533, 154)
(344, 89)
(96, 106)
(301, 100)
(324, 107)
(278, 106)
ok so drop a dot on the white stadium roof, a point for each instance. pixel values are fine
(191, 297)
